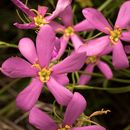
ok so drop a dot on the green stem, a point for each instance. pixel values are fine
(104, 5)
(8, 44)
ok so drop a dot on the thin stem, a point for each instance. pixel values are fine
(104, 5)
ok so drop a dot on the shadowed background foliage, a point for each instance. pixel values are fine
(100, 93)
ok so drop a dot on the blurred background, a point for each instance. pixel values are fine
(100, 93)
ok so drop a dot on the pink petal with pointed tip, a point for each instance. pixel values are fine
(29, 96)
(60, 7)
(24, 8)
(61, 94)
(67, 16)
(84, 78)
(127, 49)
(76, 40)
(123, 18)
(41, 120)
(25, 26)
(119, 58)
(92, 127)
(97, 19)
(83, 26)
(45, 45)
(70, 64)
(125, 36)
(27, 49)
(74, 109)
(95, 46)
(16, 67)
(105, 69)
(42, 10)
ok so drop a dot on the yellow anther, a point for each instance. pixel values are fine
(67, 127)
(69, 31)
(115, 34)
(44, 74)
(91, 60)
(40, 21)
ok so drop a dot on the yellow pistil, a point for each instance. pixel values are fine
(115, 34)
(67, 127)
(91, 60)
(44, 73)
(40, 21)
(69, 31)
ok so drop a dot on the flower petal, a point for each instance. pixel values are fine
(84, 78)
(42, 10)
(45, 45)
(97, 19)
(25, 26)
(56, 26)
(76, 41)
(92, 127)
(119, 58)
(16, 67)
(127, 49)
(74, 109)
(62, 79)
(125, 36)
(61, 94)
(60, 7)
(67, 16)
(63, 44)
(95, 46)
(29, 96)
(24, 8)
(105, 69)
(123, 17)
(27, 49)
(41, 120)
(83, 26)
(70, 64)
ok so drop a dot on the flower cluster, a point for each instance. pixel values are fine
(43, 60)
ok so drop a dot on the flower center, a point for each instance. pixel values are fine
(67, 127)
(91, 60)
(69, 31)
(44, 73)
(40, 20)
(115, 34)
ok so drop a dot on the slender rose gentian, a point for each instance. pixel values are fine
(41, 69)
(37, 17)
(74, 109)
(95, 60)
(69, 30)
(119, 32)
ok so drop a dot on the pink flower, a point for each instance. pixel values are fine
(70, 30)
(41, 69)
(74, 109)
(94, 60)
(38, 18)
(115, 35)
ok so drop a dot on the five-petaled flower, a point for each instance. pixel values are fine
(115, 35)
(37, 17)
(74, 109)
(41, 69)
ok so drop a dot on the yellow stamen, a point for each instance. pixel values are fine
(67, 127)
(40, 21)
(44, 73)
(91, 60)
(69, 31)
(115, 34)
